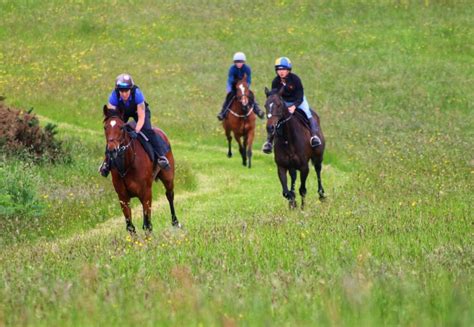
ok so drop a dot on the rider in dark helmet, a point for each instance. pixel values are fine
(130, 100)
(293, 96)
(236, 73)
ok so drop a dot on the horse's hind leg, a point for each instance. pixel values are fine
(304, 171)
(146, 204)
(169, 186)
(125, 205)
(229, 142)
(318, 166)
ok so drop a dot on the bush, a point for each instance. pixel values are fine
(21, 136)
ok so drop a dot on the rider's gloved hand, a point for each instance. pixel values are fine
(133, 134)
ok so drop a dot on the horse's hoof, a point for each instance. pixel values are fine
(176, 224)
(229, 155)
(131, 230)
(292, 204)
(148, 228)
(322, 196)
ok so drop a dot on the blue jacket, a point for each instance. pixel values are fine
(236, 74)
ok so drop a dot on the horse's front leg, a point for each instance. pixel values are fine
(125, 205)
(241, 149)
(249, 147)
(146, 205)
(292, 188)
(304, 171)
(290, 196)
(229, 142)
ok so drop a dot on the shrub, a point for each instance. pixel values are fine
(21, 136)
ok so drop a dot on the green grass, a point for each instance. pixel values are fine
(392, 244)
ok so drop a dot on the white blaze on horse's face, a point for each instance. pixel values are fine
(113, 123)
(270, 113)
(242, 88)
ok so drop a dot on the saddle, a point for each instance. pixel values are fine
(130, 126)
(301, 116)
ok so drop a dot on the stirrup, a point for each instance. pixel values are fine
(315, 141)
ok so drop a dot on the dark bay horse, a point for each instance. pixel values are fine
(240, 120)
(133, 172)
(292, 146)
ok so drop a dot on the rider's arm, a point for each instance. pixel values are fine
(113, 100)
(230, 79)
(249, 75)
(141, 116)
(299, 91)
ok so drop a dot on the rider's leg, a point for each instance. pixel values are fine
(225, 106)
(159, 146)
(314, 140)
(256, 107)
(105, 166)
(268, 145)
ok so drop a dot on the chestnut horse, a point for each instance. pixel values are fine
(240, 120)
(133, 171)
(292, 145)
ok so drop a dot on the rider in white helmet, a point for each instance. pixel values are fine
(236, 73)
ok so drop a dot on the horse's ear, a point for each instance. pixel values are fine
(280, 91)
(267, 91)
(105, 110)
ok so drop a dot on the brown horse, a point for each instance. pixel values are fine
(240, 121)
(292, 146)
(133, 172)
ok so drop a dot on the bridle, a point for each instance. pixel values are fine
(117, 155)
(240, 99)
(282, 120)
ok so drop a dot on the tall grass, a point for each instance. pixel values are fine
(392, 245)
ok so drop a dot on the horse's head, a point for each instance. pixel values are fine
(114, 128)
(275, 108)
(243, 91)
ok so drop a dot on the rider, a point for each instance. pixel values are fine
(236, 73)
(293, 96)
(129, 98)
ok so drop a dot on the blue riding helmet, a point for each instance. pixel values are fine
(283, 63)
(124, 82)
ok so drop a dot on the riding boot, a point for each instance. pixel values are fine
(225, 106)
(315, 140)
(256, 107)
(160, 149)
(257, 110)
(268, 145)
(104, 168)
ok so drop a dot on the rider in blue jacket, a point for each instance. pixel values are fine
(236, 73)
(293, 96)
(130, 100)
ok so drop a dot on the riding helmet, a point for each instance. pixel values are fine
(124, 82)
(283, 63)
(239, 56)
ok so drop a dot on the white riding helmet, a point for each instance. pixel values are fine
(239, 56)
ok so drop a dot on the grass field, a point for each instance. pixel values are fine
(391, 245)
